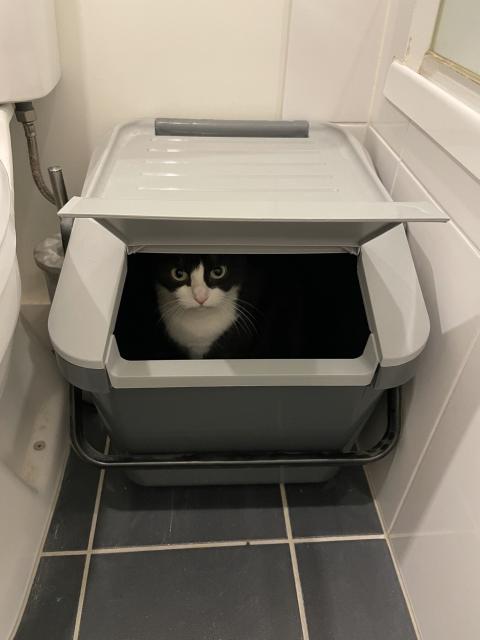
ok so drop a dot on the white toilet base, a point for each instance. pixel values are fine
(33, 408)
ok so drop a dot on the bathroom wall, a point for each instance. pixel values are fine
(124, 60)
(427, 491)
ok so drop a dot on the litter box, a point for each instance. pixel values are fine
(263, 188)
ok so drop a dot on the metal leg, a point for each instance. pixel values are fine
(233, 460)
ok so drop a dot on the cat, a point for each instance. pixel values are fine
(241, 306)
(202, 305)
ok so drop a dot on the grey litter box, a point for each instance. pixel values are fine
(200, 187)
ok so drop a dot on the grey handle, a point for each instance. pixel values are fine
(231, 128)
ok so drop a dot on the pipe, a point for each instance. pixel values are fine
(25, 114)
(58, 186)
(61, 198)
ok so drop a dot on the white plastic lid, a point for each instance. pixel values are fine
(180, 192)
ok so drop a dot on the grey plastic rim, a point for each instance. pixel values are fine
(227, 460)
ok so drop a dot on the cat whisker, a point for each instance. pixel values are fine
(250, 304)
(240, 303)
(239, 324)
(170, 314)
(246, 320)
(235, 324)
(167, 310)
(248, 313)
(248, 317)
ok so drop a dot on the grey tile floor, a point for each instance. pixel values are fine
(301, 562)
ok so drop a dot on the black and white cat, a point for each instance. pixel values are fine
(201, 305)
(241, 306)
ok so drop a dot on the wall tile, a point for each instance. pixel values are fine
(395, 41)
(332, 61)
(391, 124)
(385, 161)
(438, 528)
(449, 272)
(387, 119)
(457, 191)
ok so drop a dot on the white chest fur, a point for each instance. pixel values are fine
(198, 328)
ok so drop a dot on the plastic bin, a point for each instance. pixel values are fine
(198, 192)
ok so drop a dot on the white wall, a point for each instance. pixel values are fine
(214, 58)
(333, 54)
(123, 60)
(427, 491)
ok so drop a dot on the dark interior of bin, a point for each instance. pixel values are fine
(303, 306)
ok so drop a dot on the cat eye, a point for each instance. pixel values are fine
(179, 275)
(218, 272)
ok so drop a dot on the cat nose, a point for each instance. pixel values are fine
(200, 294)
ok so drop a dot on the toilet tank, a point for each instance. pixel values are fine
(29, 60)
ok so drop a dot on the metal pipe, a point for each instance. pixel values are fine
(58, 186)
(25, 114)
(34, 159)
(61, 198)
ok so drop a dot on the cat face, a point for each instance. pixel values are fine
(199, 282)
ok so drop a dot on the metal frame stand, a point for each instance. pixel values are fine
(89, 454)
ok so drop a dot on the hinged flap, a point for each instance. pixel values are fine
(393, 298)
(255, 223)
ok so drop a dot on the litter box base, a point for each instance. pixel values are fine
(174, 469)
(198, 477)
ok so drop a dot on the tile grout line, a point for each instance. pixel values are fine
(403, 588)
(392, 153)
(293, 558)
(284, 62)
(396, 567)
(381, 49)
(88, 551)
(61, 554)
(186, 546)
(349, 538)
(213, 545)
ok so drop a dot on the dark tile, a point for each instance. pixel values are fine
(223, 593)
(71, 520)
(341, 506)
(351, 591)
(52, 604)
(133, 515)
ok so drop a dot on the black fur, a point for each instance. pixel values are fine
(237, 267)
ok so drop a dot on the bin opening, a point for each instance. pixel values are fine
(286, 306)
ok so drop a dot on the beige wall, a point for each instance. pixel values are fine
(202, 58)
